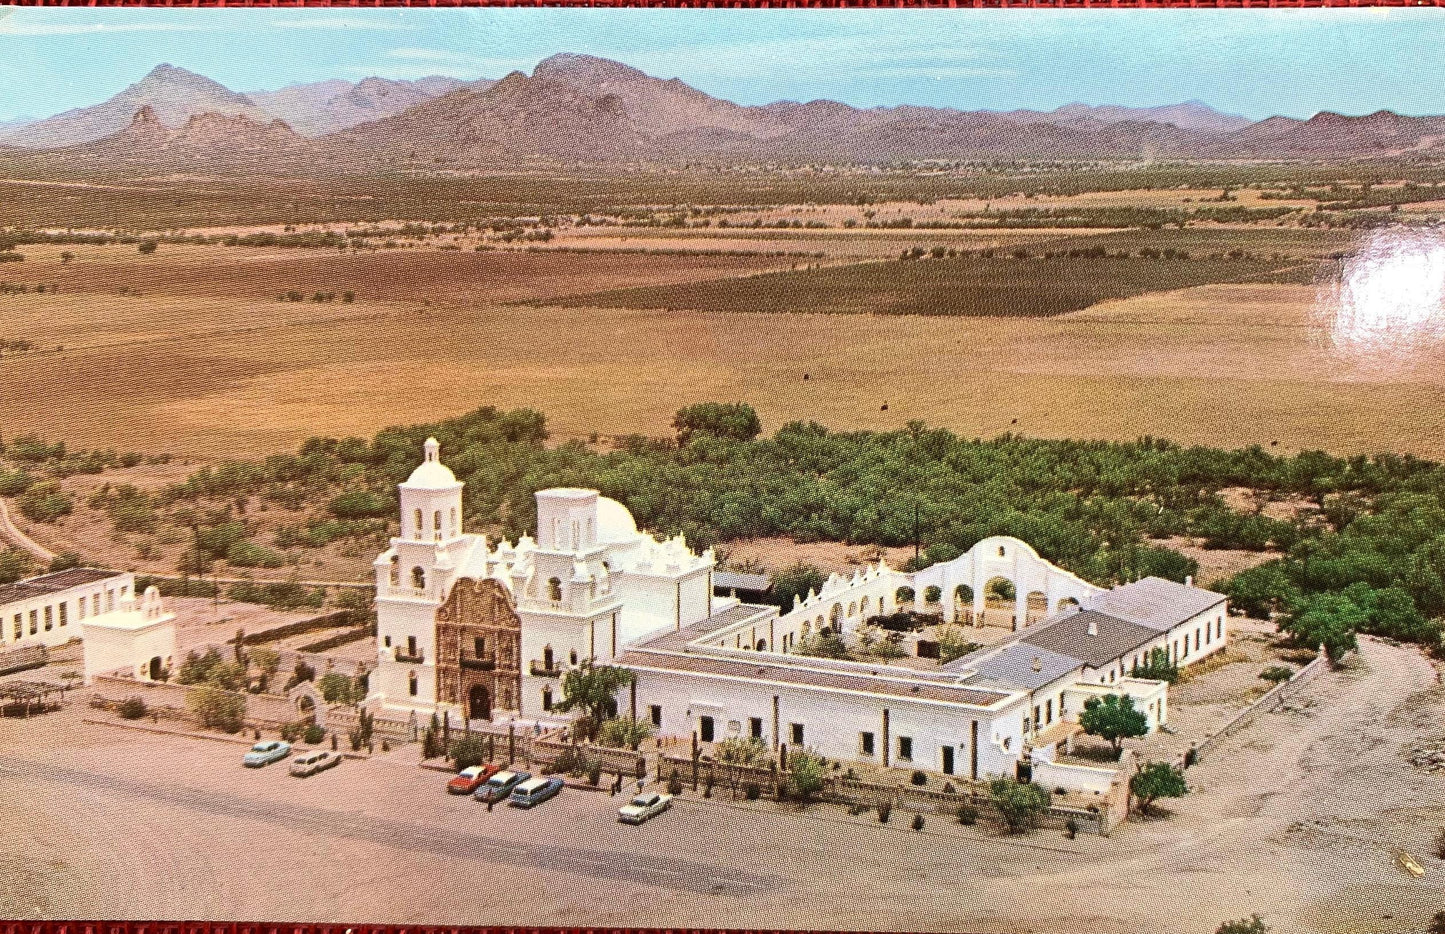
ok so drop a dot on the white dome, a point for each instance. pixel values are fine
(614, 522)
(431, 473)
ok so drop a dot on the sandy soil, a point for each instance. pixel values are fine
(1297, 817)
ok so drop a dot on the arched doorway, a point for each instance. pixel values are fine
(1038, 606)
(998, 602)
(155, 673)
(479, 703)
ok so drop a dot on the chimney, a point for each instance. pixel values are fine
(1093, 628)
(1038, 663)
(1189, 580)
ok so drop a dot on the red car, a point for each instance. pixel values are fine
(467, 780)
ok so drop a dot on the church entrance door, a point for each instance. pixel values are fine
(479, 703)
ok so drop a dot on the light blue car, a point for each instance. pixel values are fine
(264, 753)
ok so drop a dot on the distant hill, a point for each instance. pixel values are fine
(580, 108)
(173, 95)
(328, 106)
(205, 141)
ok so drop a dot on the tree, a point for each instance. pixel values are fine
(64, 561)
(805, 774)
(147, 247)
(953, 643)
(741, 750)
(1113, 718)
(468, 752)
(593, 689)
(629, 732)
(1254, 924)
(217, 709)
(14, 564)
(1154, 781)
(1157, 666)
(268, 662)
(736, 420)
(794, 581)
(1326, 619)
(821, 646)
(1018, 803)
(337, 688)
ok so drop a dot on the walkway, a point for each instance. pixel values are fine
(9, 530)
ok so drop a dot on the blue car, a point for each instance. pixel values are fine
(264, 753)
(534, 791)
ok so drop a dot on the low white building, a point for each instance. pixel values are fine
(136, 638)
(45, 610)
(471, 629)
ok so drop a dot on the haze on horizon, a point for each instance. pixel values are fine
(1256, 63)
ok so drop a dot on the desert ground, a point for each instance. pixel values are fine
(1299, 817)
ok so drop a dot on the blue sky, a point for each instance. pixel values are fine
(1257, 62)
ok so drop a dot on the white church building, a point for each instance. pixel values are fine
(469, 628)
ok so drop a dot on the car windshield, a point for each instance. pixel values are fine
(500, 779)
(643, 801)
(261, 747)
(472, 772)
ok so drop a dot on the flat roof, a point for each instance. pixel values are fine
(676, 640)
(1014, 665)
(47, 584)
(737, 580)
(805, 677)
(1155, 602)
(1070, 635)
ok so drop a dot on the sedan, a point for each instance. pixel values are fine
(265, 753)
(466, 781)
(644, 806)
(534, 791)
(309, 763)
(500, 786)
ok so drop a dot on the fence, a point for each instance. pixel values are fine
(1100, 820)
(1267, 701)
(612, 759)
(267, 711)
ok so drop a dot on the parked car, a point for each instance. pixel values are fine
(640, 808)
(500, 786)
(466, 781)
(264, 753)
(534, 791)
(318, 760)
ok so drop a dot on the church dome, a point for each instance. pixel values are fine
(431, 473)
(614, 521)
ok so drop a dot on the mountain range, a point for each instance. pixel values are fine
(578, 108)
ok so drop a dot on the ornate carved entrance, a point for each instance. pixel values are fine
(479, 649)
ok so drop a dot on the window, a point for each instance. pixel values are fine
(125, 588)
(95, 605)
(1196, 640)
(49, 618)
(547, 697)
(411, 684)
(454, 520)
(64, 614)
(479, 646)
(1000, 551)
(905, 749)
(19, 626)
(109, 600)
(80, 605)
(436, 524)
(1049, 710)
(755, 727)
(395, 571)
(418, 578)
(386, 641)
(554, 589)
(705, 729)
(572, 658)
(865, 744)
(34, 621)
(795, 730)
(547, 657)
(411, 646)
(1038, 720)
(654, 713)
(416, 530)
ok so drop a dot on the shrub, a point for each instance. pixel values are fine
(918, 778)
(218, 709)
(967, 815)
(147, 247)
(1071, 828)
(251, 555)
(806, 771)
(674, 784)
(917, 822)
(741, 750)
(751, 791)
(1277, 673)
(1157, 667)
(1154, 781)
(45, 502)
(594, 774)
(1018, 803)
(313, 734)
(360, 504)
(1254, 924)
(624, 732)
(132, 708)
(884, 808)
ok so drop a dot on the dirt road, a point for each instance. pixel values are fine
(1297, 817)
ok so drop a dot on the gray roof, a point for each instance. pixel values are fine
(737, 580)
(676, 640)
(1155, 602)
(1069, 635)
(1013, 666)
(53, 583)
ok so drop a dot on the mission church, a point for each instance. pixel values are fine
(472, 629)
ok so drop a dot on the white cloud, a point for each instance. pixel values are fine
(359, 23)
(8, 27)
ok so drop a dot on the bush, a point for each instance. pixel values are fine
(751, 791)
(674, 784)
(1254, 924)
(806, 771)
(313, 734)
(146, 247)
(967, 815)
(218, 709)
(45, 502)
(1277, 673)
(251, 555)
(917, 822)
(132, 708)
(918, 778)
(1018, 803)
(361, 504)
(742, 750)
(885, 809)
(594, 774)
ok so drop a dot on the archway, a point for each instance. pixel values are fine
(1065, 603)
(963, 603)
(479, 703)
(305, 707)
(762, 645)
(903, 595)
(1038, 606)
(155, 672)
(998, 602)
